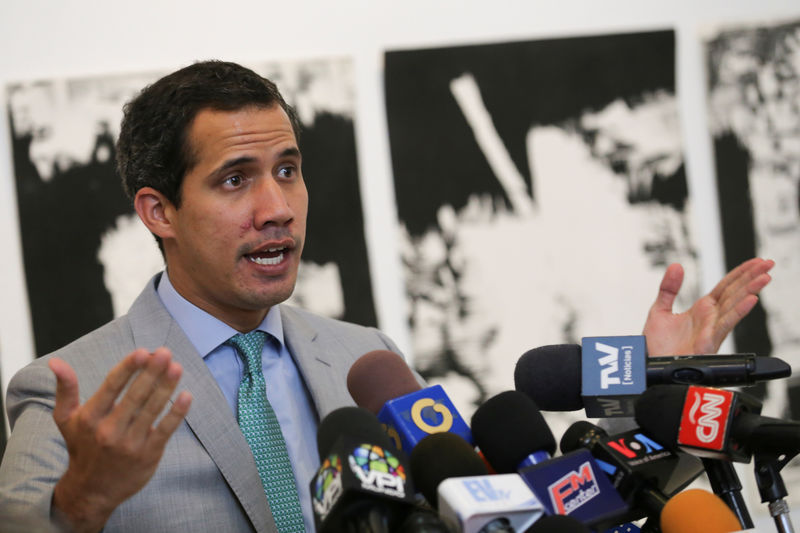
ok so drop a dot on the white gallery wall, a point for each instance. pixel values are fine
(43, 40)
(50, 40)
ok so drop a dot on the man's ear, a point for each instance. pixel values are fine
(156, 211)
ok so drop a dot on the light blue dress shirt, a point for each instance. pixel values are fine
(286, 390)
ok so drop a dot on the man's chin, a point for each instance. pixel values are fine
(264, 299)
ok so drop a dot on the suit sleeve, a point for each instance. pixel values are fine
(35, 456)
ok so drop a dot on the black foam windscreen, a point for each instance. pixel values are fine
(558, 524)
(355, 422)
(658, 411)
(507, 428)
(573, 437)
(440, 456)
(551, 376)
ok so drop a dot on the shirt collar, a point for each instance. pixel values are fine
(205, 331)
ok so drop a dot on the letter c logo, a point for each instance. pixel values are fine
(416, 416)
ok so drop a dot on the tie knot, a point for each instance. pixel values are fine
(250, 345)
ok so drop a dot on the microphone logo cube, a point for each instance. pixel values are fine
(357, 472)
(414, 416)
(636, 453)
(469, 503)
(614, 372)
(574, 484)
(378, 470)
(705, 418)
(573, 489)
(326, 487)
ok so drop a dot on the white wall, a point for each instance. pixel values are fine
(45, 39)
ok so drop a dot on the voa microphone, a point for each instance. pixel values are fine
(639, 467)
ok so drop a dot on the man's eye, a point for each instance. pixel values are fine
(287, 172)
(234, 181)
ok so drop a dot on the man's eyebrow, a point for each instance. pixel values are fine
(232, 163)
(290, 152)
(244, 160)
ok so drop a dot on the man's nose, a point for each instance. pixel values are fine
(270, 204)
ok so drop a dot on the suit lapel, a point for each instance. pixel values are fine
(323, 370)
(209, 418)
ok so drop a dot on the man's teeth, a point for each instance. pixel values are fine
(267, 260)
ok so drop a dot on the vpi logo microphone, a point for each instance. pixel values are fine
(705, 417)
(574, 489)
(378, 470)
(327, 486)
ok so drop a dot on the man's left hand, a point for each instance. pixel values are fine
(702, 328)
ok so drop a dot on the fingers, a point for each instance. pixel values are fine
(106, 396)
(741, 283)
(737, 293)
(741, 276)
(150, 380)
(142, 386)
(167, 426)
(668, 290)
(67, 397)
(134, 414)
(728, 320)
(151, 405)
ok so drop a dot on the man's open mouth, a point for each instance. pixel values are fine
(268, 257)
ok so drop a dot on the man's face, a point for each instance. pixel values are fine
(238, 234)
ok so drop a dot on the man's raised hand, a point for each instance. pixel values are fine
(702, 328)
(113, 445)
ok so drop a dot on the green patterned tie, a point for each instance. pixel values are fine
(263, 433)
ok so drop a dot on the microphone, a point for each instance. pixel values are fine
(362, 482)
(454, 479)
(639, 467)
(714, 423)
(723, 426)
(441, 456)
(382, 382)
(558, 524)
(511, 432)
(514, 436)
(555, 376)
(697, 511)
(423, 521)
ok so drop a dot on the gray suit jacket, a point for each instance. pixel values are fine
(207, 479)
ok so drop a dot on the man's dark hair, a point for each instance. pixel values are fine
(153, 149)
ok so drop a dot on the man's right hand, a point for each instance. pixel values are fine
(113, 447)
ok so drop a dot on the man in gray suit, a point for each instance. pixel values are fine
(209, 156)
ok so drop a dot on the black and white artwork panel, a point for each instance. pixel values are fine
(753, 73)
(87, 256)
(541, 194)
